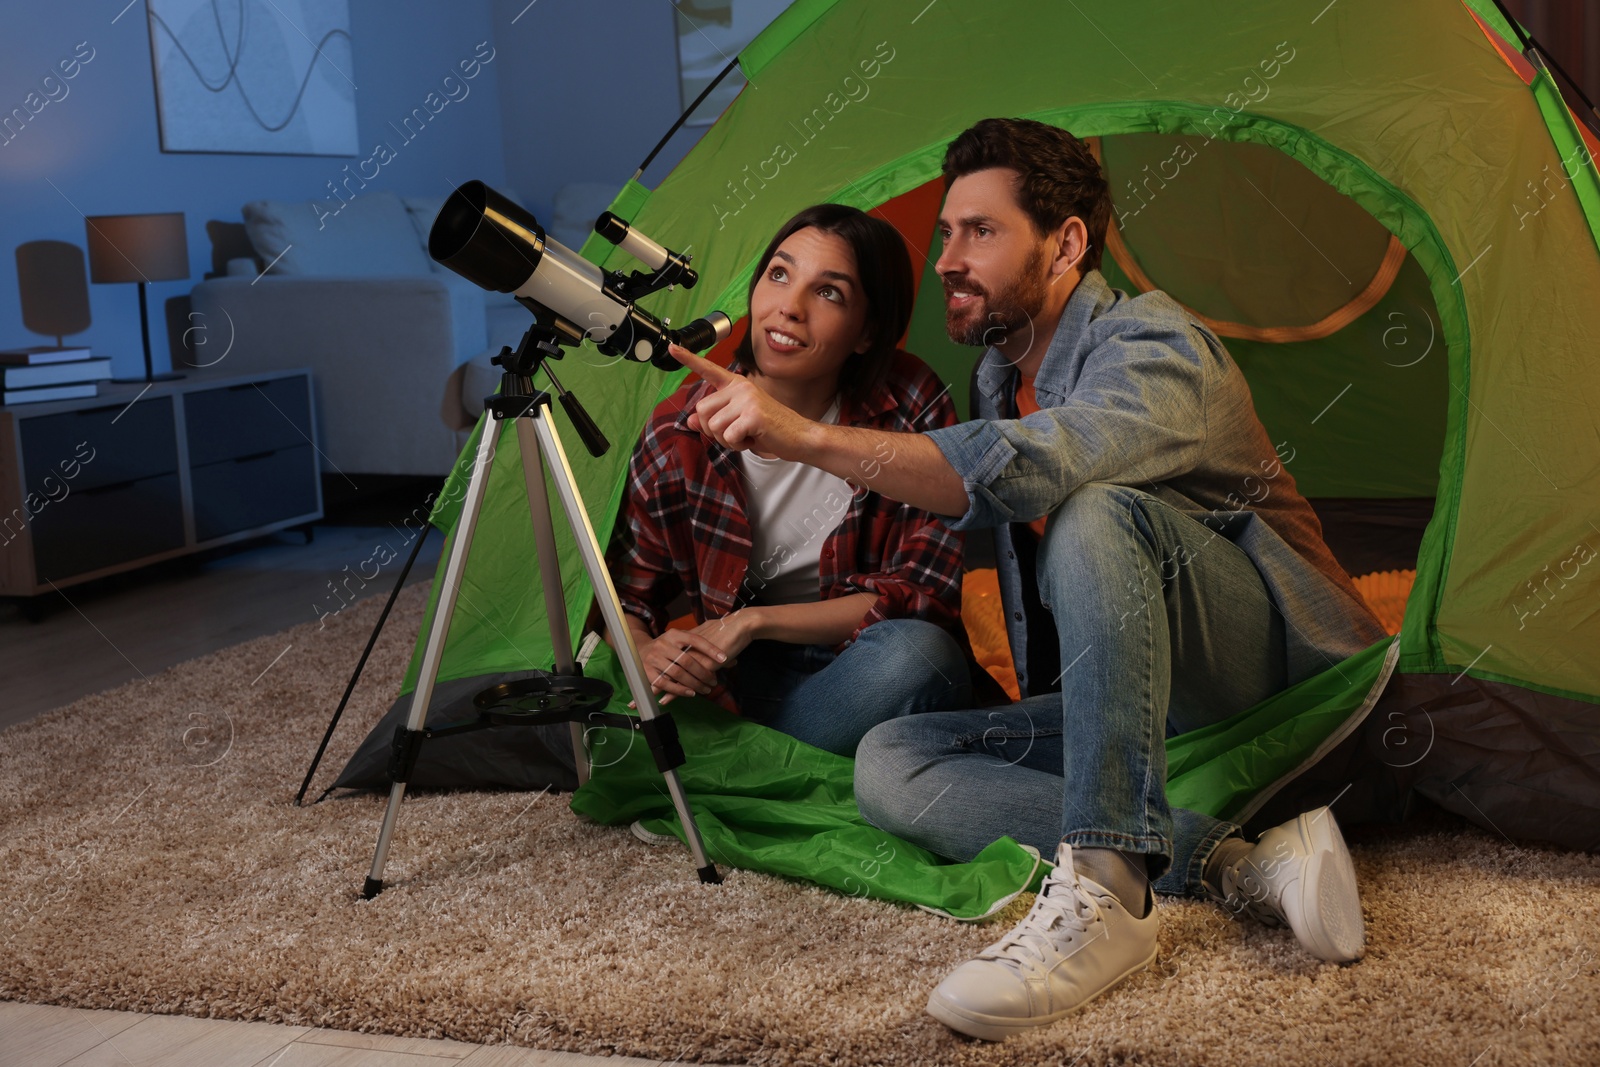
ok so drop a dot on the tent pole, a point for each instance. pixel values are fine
(1516, 28)
(361, 663)
(676, 126)
(1546, 57)
(1528, 41)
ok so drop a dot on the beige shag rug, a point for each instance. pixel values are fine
(151, 859)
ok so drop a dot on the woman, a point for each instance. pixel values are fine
(823, 610)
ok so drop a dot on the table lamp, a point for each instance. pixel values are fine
(53, 287)
(142, 249)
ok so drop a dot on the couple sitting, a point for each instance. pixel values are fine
(808, 503)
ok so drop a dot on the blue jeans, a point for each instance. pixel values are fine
(830, 700)
(1164, 627)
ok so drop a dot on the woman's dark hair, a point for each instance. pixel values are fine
(1060, 176)
(884, 269)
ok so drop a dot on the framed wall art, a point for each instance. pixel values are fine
(255, 76)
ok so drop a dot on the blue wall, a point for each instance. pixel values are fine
(587, 88)
(100, 143)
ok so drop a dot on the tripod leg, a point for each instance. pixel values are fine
(433, 651)
(611, 611)
(555, 600)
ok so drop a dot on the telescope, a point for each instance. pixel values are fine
(496, 244)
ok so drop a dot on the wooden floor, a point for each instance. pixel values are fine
(34, 1035)
(134, 625)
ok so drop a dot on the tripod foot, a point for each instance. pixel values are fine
(373, 886)
(708, 874)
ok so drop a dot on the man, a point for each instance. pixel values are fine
(1159, 573)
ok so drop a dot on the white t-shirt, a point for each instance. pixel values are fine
(793, 508)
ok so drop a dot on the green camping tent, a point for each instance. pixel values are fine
(1388, 212)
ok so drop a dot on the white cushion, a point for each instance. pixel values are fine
(369, 236)
(468, 304)
(423, 210)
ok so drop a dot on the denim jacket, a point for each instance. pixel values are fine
(1133, 391)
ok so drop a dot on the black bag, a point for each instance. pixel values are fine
(527, 758)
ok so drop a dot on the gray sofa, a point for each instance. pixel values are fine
(386, 332)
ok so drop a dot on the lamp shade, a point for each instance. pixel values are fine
(53, 287)
(137, 248)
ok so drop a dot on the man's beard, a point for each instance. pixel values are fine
(1012, 308)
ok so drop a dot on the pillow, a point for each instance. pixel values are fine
(371, 235)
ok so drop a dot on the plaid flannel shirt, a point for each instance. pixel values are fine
(684, 526)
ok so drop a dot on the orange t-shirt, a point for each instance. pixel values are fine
(1027, 404)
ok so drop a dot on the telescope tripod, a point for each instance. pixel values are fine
(563, 695)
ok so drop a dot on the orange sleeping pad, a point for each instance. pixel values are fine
(1385, 593)
(985, 620)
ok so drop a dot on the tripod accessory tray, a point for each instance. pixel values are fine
(553, 698)
(542, 699)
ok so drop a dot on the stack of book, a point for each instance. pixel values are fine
(31, 375)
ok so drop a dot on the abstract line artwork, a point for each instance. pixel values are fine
(258, 76)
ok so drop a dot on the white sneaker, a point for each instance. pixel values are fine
(1299, 875)
(1076, 943)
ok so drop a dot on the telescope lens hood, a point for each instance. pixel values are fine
(486, 238)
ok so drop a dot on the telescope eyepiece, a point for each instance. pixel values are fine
(703, 333)
(697, 336)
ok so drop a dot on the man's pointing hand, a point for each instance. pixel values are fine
(738, 415)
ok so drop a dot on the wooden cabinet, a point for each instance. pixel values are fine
(144, 473)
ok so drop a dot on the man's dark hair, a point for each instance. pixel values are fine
(1060, 176)
(883, 267)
